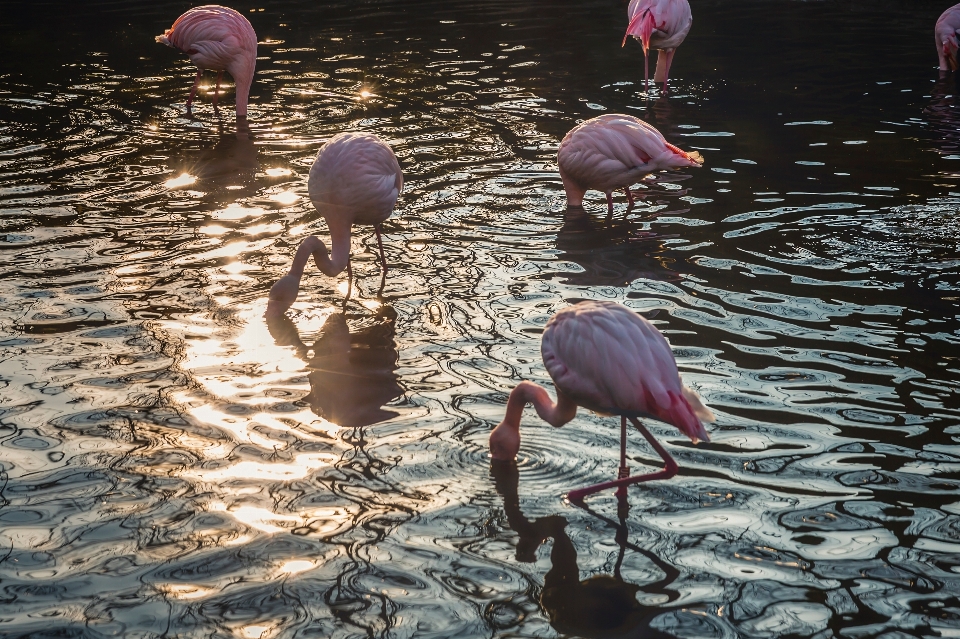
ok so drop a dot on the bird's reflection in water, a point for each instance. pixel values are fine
(231, 163)
(352, 374)
(602, 606)
(943, 113)
(611, 253)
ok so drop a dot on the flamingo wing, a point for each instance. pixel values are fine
(612, 360)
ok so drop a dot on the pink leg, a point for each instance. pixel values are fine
(383, 259)
(626, 190)
(193, 91)
(624, 471)
(609, 204)
(216, 92)
(646, 72)
(349, 284)
(669, 468)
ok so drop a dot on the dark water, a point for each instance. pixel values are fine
(172, 466)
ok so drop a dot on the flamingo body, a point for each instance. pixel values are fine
(660, 25)
(613, 151)
(948, 25)
(220, 39)
(611, 360)
(355, 179)
(605, 357)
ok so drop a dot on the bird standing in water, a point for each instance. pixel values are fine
(355, 179)
(948, 24)
(661, 25)
(605, 357)
(220, 39)
(613, 151)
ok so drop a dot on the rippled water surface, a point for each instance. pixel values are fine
(171, 465)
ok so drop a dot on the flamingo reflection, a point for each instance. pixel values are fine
(352, 374)
(600, 606)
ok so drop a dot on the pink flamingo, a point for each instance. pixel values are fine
(355, 179)
(661, 25)
(220, 39)
(948, 24)
(605, 357)
(613, 151)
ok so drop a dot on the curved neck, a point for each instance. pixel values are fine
(243, 92)
(333, 264)
(505, 438)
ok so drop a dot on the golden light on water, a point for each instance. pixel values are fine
(278, 172)
(285, 197)
(183, 179)
(237, 211)
(254, 632)
(365, 94)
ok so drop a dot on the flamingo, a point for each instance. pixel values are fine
(355, 179)
(613, 151)
(948, 24)
(661, 25)
(220, 39)
(604, 357)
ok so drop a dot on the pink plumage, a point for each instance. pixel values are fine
(611, 360)
(946, 38)
(355, 179)
(605, 357)
(613, 151)
(661, 25)
(220, 39)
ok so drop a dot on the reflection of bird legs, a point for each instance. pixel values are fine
(669, 468)
(670, 573)
(193, 90)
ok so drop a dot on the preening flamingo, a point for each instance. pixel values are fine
(948, 24)
(661, 25)
(355, 179)
(605, 357)
(220, 39)
(613, 151)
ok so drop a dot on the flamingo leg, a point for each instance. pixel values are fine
(193, 91)
(626, 190)
(216, 92)
(609, 204)
(624, 471)
(383, 259)
(664, 60)
(669, 469)
(646, 72)
(349, 284)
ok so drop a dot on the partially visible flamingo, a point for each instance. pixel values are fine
(220, 39)
(613, 151)
(661, 25)
(605, 357)
(948, 24)
(355, 179)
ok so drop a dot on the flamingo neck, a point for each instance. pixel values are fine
(333, 264)
(505, 438)
(243, 79)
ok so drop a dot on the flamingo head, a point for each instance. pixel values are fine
(505, 441)
(684, 158)
(641, 26)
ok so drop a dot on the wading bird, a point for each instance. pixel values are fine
(606, 358)
(355, 179)
(613, 151)
(220, 39)
(946, 38)
(661, 25)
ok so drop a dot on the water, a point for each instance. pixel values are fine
(172, 466)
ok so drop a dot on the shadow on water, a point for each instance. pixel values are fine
(352, 373)
(600, 607)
